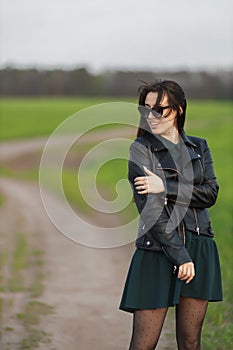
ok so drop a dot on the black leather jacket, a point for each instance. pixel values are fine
(189, 191)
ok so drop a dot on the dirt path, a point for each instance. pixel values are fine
(83, 284)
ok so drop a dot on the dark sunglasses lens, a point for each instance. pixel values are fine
(157, 114)
(156, 111)
(144, 111)
(159, 111)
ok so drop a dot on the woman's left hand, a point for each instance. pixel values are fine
(186, 272)
(149, 184)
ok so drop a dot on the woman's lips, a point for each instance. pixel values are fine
(153, 124)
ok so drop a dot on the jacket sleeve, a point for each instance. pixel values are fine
(199, 196)
(152, 210)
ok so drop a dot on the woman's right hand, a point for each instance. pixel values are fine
(186, 272)
(151, 183)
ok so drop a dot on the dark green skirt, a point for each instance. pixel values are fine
(151, 282)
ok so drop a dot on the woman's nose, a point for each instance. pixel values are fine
(150, 116)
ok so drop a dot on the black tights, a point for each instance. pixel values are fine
(147, 325)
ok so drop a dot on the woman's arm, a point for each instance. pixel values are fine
(199, 196)
(152, 211)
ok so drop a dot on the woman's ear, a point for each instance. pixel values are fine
(180, 110)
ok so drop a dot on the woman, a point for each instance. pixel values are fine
(176, 260)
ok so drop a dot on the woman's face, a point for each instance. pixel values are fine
(162, 126)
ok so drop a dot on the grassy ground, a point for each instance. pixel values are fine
(209, 119)
(21, 118)
(216, 128)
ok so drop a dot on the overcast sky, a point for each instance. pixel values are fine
(127, 34)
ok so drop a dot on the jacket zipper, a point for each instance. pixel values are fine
(201, 167)
(196, 220)
(183, 230)
(202, 171)
(176, 201)
(170, 169)
(163, 249)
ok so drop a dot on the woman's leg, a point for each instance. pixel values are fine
(190, 314)
(147, 326)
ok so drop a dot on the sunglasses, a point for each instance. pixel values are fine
(157, 111)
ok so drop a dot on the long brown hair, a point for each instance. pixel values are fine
(176, 99)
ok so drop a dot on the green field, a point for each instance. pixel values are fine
(23, 118)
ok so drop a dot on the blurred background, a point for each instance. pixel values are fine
(57, 58)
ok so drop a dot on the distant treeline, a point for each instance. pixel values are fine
(80, 82)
